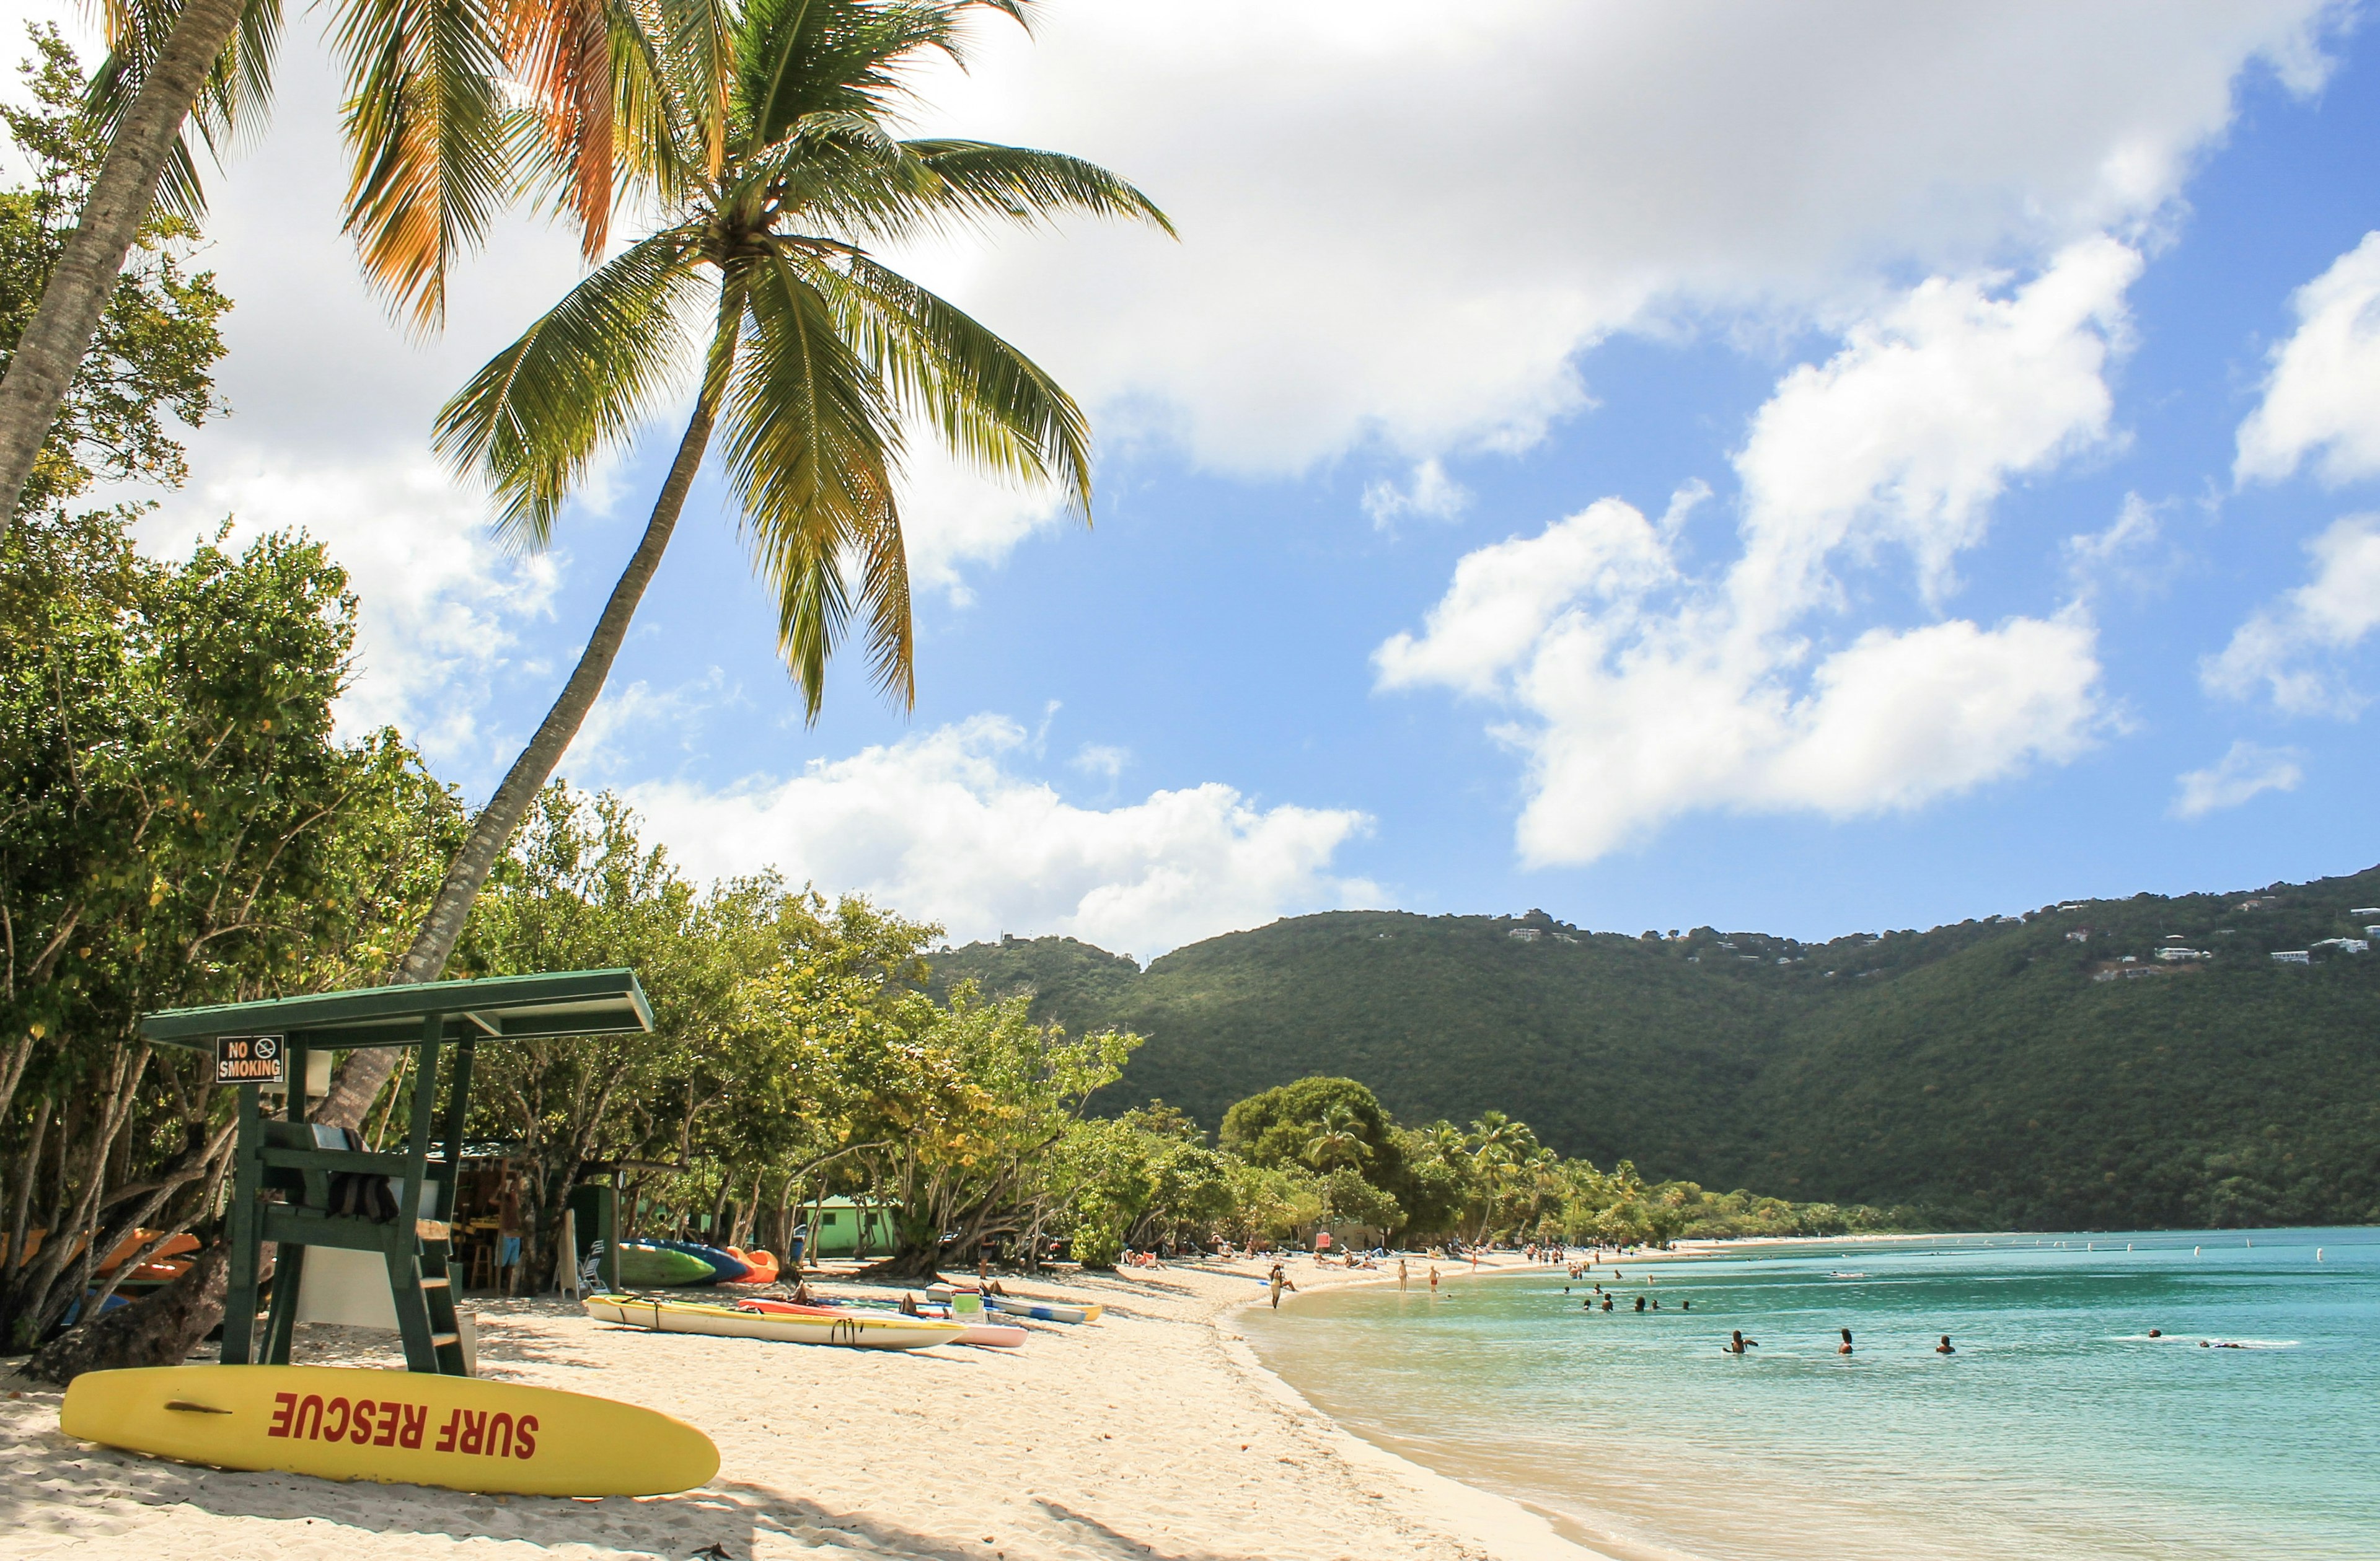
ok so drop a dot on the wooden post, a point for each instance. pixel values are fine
(404, 1262)
(246, 1250)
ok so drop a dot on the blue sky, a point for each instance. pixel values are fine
(1662, 465)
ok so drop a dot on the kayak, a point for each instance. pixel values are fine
(763, 1267)
(651, 1266)
(1043, 1310)
(991, 1336)
(729, 1268)
(746, 1321)
(421, 1428)
(1040, 1311)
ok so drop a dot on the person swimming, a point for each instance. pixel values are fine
(1687, 1305)
(1944, 1347)
(2157, 1333)
(1640, 1303)
(1606, 1304)
(1844, 1348)
(1737, 1344)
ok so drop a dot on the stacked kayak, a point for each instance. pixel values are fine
(846, 1327)
(763, 1267)
(661, 1265)
(1040, 1311)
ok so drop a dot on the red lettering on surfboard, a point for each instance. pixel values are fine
(480, 1433)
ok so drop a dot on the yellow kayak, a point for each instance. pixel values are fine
(347, 1422)
(857, 1329)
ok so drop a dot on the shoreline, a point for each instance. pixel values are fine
(1154, 1432)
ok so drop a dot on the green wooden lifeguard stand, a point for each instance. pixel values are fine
(298, 1160)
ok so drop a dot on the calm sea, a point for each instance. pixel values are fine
(2058, 1430)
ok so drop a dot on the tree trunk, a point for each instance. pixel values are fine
(363, 1073)
(160, 1329)
(52, 346)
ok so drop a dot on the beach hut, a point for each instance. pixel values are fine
(310, 1188)
(844, 1229)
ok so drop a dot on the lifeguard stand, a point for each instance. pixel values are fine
(259, 1041)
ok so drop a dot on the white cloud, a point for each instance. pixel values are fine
(1101, 759)
(2290, 648)
(599, 748)
(2247, 769)
(1908, 435)
(2323, 397)
(1401, 221)
(950, 517)
(942, 827)
(1645, 692)
(1430, 495)
(440, 602)
(2122, 555)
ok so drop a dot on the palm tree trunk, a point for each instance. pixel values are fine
(363, 1073)
(52, 346)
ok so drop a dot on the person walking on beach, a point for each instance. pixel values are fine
(1844, 1348)
(1279, 1282)
(1401, 1274)
(1737, 1344)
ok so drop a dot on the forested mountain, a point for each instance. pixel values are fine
(2094, 1064)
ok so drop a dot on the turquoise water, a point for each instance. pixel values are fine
(2058, 1430)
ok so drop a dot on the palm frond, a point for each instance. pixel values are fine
(798, 57)
(560, 52)
(232, 100)
(426, 123)
(586, 375)
(984, 179)
(812, 444)
(991, 405)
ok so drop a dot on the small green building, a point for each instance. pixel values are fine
(842, 1228)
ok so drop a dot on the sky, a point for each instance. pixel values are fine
(1810, 469)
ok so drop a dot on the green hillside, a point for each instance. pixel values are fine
(2000, 1071)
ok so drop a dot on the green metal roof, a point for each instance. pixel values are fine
(578, 1002)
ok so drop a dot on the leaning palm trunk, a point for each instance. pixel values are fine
(52, 346)
(363, 1073)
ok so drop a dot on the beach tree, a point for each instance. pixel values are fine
(759, 291)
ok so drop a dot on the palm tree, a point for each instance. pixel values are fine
(815, 357)
(1336, 1141)
(427, 119)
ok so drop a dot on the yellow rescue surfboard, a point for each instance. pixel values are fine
(346, 1422)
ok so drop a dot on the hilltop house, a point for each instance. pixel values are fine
(2291, 957)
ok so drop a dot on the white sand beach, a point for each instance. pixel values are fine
(1152, 1432)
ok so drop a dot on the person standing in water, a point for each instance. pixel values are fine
(1401, 1274)
(1944, 1347)
(1433, 1279)
(1279, 1282)
(1737, 1344)
(1844, 1348)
